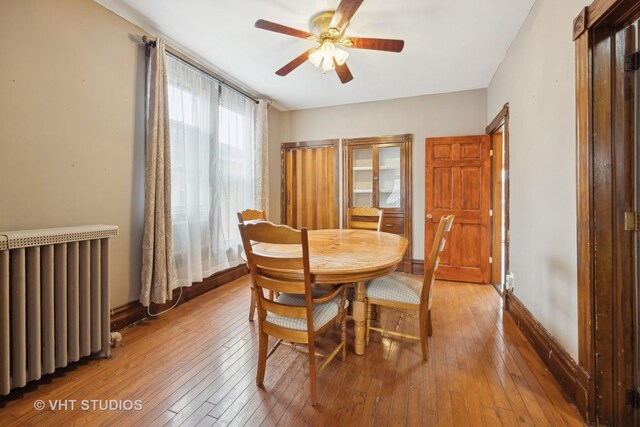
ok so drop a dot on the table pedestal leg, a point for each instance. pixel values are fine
(359, 317)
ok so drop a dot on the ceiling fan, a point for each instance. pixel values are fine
(328, 30)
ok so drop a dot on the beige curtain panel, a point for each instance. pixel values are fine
(158, 271)
(261, 160)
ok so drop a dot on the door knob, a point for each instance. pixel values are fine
(429, 215)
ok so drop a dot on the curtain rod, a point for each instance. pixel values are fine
(189, 61)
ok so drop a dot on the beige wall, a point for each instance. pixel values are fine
(536, 77)
(71, 135)
(459, 113)
(276, 128)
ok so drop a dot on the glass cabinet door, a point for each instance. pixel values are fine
(362, 176)
(389, 191)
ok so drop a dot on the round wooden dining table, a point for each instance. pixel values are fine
(347, 256)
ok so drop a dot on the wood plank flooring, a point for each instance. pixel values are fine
(197, 365)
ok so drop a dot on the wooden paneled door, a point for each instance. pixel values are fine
(310, 184)
(457, 181)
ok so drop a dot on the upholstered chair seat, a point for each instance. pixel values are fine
(323, 313)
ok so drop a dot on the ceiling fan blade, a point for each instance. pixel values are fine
(277, 28)
(345, 11)
(387, 45)
(293, 64)
(343, 72)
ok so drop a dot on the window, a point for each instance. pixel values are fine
(212, 146)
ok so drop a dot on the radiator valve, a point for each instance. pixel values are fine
(115, 339)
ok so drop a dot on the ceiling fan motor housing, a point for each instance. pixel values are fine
(319, 24)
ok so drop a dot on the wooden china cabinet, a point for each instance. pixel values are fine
(377, 173)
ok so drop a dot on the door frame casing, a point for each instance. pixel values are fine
(501, 121)
(601, 141)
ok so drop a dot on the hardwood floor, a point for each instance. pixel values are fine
(197, 366)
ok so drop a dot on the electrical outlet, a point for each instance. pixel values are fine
(510, 280)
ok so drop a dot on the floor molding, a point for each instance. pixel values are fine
(573, 379)
(133, 312)
(417, 267)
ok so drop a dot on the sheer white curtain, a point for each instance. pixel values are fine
(234, 168)
(211, 171)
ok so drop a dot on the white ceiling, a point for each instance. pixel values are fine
(450, 45)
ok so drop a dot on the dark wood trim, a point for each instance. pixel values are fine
(126, 315)
(408, 199)
(133, 312)
(387, 139)
(598, 9)
(610, 12)
(501, 118)
(283, 186)
(417, 267)
(580, 24)
(558, 361)
(307, 144)
(584, 181)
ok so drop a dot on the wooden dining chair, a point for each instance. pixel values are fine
(252, 215)
(365, 218)
(399, 292)
(297, 315)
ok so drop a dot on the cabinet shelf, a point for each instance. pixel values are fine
(359, 190)
(363, 168)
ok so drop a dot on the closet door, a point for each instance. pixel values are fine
(310, 184)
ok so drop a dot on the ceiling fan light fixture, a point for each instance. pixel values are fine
(328, 50)
(326, 54)
(328, 65)
(315, 57)
(341, 56)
